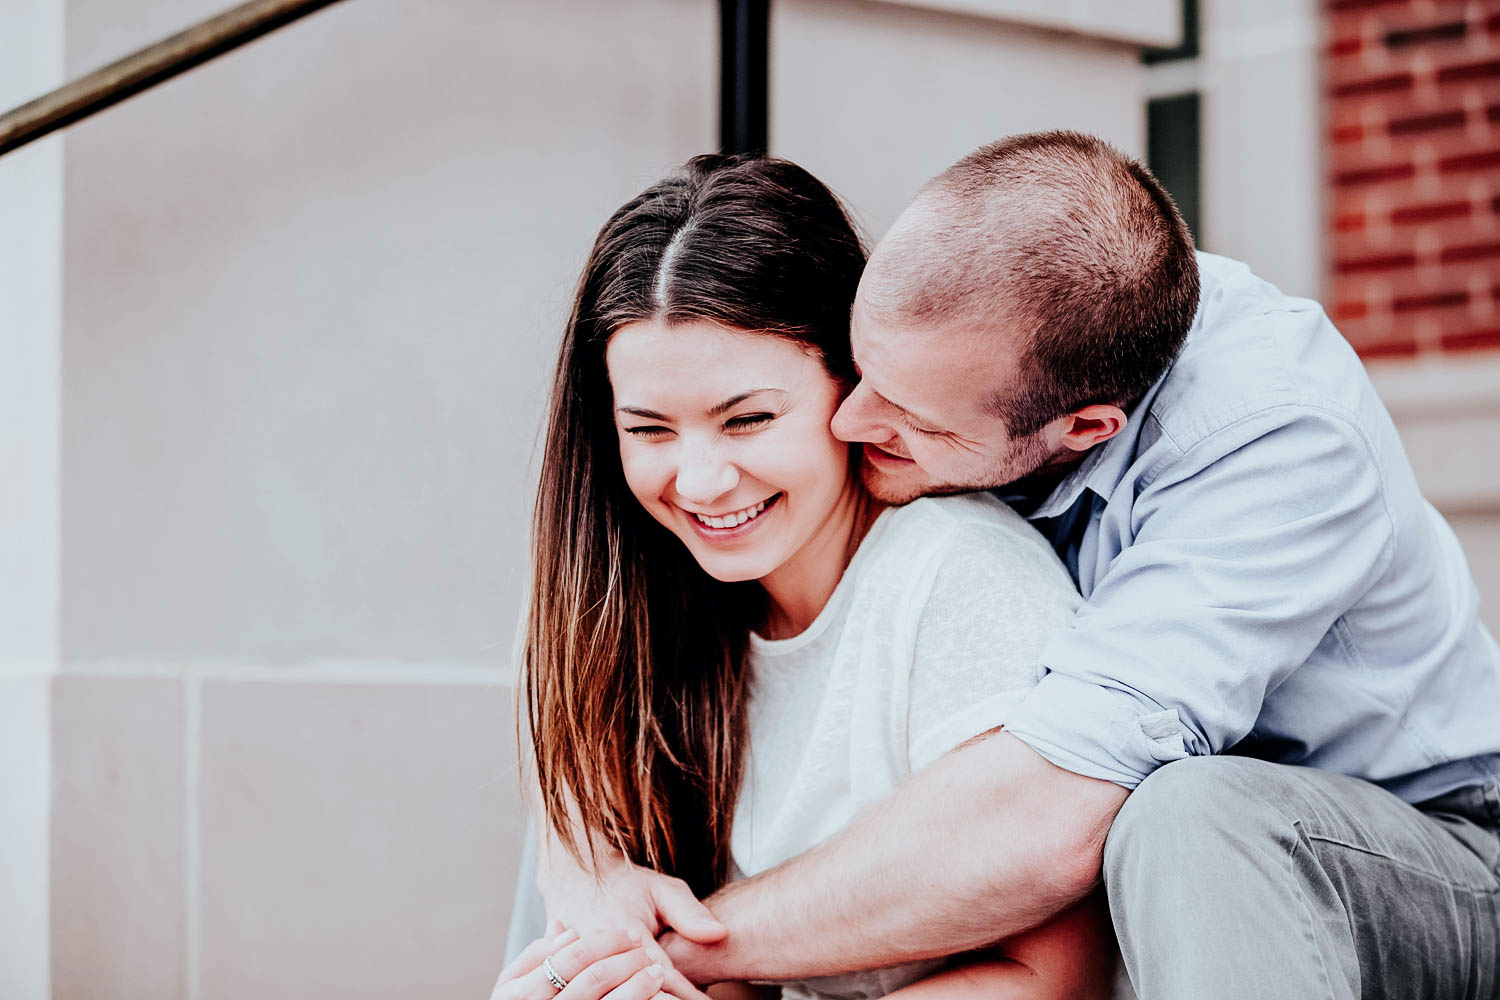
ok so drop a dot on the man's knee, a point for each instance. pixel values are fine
(1186, 813)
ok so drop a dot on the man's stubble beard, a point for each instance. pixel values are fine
(1028, 456)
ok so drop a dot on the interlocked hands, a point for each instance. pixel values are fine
(628, 897)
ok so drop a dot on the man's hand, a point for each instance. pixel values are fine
(624, 896)
(627, 897)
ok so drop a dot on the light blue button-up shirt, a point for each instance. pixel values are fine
(1261, 574)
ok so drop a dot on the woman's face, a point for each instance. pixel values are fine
(724, 438)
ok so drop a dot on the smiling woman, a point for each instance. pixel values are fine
(708, 347)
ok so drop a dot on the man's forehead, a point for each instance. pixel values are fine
(959, 342)
(938, 375)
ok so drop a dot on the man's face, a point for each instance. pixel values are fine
(922, 410)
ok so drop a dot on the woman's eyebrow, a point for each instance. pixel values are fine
(637, 411)
(733, 401)
(713, 411)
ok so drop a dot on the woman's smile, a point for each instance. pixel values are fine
(733, 525)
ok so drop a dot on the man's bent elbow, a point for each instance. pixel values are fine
(1082, 830)
(1068, 816)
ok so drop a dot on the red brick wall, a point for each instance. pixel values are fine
(1413, 167)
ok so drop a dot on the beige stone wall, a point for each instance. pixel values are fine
(877, 98)
(313, 292)
(298, 837)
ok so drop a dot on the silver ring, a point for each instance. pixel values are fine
(552, 976)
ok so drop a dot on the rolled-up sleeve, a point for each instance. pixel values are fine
(1235, 560)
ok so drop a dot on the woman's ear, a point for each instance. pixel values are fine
(1092, 425)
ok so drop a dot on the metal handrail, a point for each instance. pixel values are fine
(146, 68)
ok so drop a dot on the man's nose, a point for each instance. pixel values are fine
(851, 421)
(704, 475)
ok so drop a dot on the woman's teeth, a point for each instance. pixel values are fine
(732, 520)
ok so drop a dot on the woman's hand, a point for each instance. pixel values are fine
(632, 899)
(610, 966)
(624, 896)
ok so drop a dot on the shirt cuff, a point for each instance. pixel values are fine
(1096, 731)
(962, 725)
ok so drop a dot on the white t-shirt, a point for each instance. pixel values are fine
(932, 635)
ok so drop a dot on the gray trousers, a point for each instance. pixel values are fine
(1232, 878)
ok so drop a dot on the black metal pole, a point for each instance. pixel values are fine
(142, 70)
(744, 52)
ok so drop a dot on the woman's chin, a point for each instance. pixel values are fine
(730, 567)
(730, 572)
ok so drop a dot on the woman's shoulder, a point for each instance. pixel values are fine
(972, 518)
(970, 535)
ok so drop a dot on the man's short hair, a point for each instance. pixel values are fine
(1062, 237)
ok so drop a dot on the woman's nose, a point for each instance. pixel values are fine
(705, 475)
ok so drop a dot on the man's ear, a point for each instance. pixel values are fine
(1082, 429)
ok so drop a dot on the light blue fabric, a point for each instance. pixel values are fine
(1262, 575)
(528, 914)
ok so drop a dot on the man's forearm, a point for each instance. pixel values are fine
(982, 844)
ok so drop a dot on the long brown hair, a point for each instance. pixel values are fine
(634, 658)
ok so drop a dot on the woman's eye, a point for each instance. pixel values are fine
(649, 432)
(749, 420)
